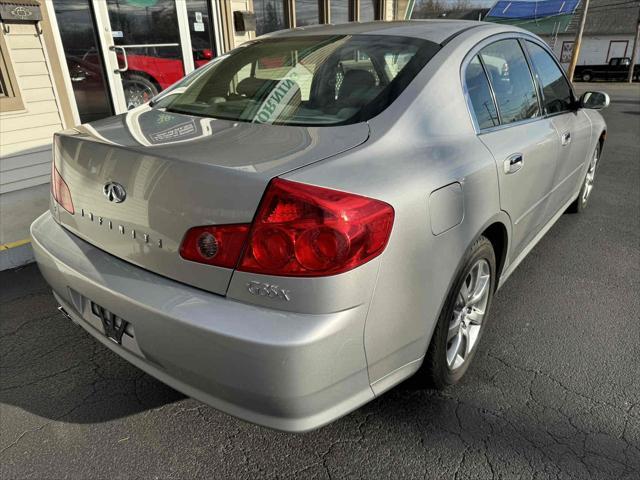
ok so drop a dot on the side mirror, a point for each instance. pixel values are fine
(594, 100)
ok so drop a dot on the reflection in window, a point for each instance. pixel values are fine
(511, 80)
(339, 11)
(270, 16)
(555, 88)
(368, 10)
(307, 12)
(202, 42)
(84, 61)
(306, 80)
(480, 95)
(135, 22)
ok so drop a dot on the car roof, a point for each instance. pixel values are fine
(437, 31)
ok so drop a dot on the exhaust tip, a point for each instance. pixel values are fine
(64, 312)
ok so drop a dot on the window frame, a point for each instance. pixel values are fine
(12, 100)
(536, 75)
(325, 11)
(520, 37)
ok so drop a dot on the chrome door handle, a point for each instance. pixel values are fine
(566, 138)
(513, 163)
(113, 48)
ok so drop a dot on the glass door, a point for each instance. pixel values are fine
(84, 60)
(121, 53)
(143, 48)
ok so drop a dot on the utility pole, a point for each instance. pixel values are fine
(634, 54)
(578, 41)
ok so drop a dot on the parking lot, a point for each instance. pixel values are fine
(554, 391)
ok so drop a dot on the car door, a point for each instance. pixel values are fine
(572, 125)
(524, 143)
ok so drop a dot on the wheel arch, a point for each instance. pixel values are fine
(498, 235)
(144, 74)
(602, 138)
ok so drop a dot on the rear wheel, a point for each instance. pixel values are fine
(463, 318)
(586, 77)
(587, 185)
(138, 90)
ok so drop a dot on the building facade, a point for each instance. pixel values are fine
(609, 29)
(67, 62)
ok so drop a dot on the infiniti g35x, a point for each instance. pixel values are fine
(307, 221)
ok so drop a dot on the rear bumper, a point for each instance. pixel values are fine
(284, 370)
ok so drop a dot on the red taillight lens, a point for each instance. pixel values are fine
(308, 231)
(60, 190)
(215, 245)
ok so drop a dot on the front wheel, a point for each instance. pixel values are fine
(586, 77)
(587, 185)
(463, 318)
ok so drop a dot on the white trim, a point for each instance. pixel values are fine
(59, 51)
(105, 40)
(217, 27)
(185, 36)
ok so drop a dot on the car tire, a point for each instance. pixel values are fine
(586, 77)
(138, 90)
(441, 367)
(586, 189)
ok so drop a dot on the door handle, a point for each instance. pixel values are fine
(114, 48)
(566, 138)
(513, 163)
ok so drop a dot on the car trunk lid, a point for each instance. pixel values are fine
(179, 171)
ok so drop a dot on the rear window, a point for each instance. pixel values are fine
(310, 80)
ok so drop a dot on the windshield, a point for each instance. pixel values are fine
(307, 80)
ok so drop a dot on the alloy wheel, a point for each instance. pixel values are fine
(468, 313)
(137, 93)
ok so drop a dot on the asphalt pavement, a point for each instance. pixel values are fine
(554, 391)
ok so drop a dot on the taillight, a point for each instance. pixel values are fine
(299, 230)
(308, 231)
(215, 245)
(60, 190)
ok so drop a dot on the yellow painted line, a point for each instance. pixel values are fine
(18, 243)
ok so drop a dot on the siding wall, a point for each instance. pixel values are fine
(240, 5)
(594, 47)
(25, 136)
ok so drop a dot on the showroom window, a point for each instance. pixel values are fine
(307, 12)
(271, 15)
(368, 10)
(340, 11)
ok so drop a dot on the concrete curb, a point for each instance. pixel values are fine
(15, 254)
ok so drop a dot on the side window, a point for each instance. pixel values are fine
(555, 88)
(511, 80)
(480, 95)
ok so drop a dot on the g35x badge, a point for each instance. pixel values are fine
(268, 290)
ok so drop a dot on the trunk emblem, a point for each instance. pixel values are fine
(114, 192)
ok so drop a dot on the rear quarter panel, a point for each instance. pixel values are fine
(422, 142)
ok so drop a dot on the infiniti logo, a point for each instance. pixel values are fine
(114, 192)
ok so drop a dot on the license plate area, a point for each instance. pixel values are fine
(114, 326)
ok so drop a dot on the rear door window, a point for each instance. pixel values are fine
(511, 80)
(555, 88)
(479, 94)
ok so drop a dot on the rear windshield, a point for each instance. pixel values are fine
(310, 80)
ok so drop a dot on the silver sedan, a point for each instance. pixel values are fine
(311, 219)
